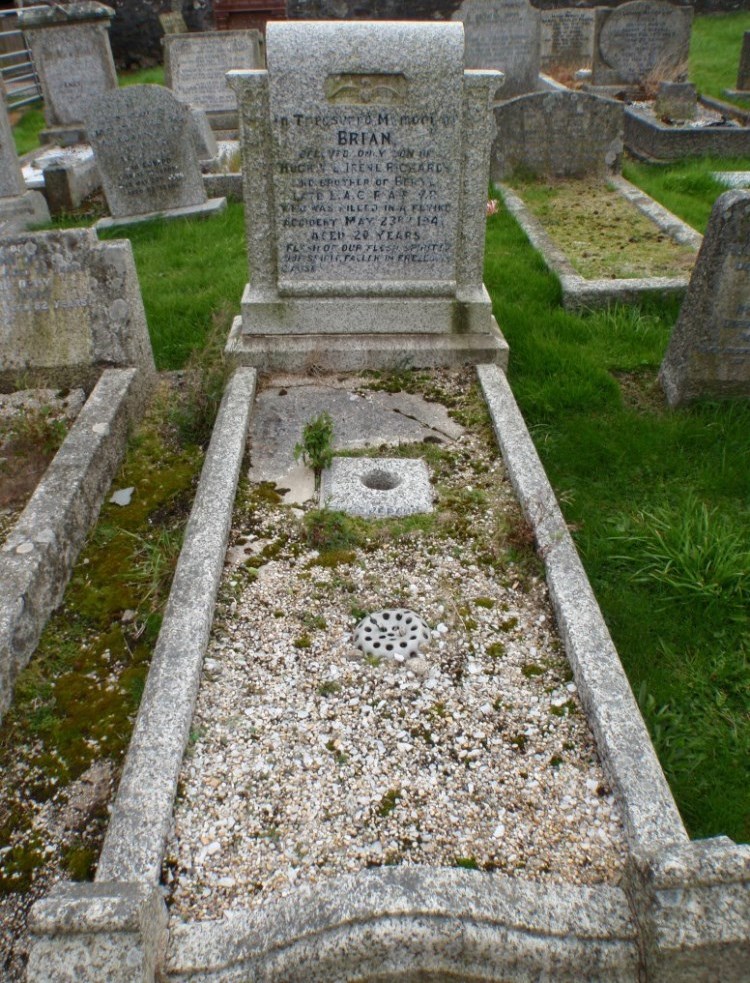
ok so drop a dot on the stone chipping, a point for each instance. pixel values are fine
(310, 759)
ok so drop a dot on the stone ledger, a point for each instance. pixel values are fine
(145, 141)
(195, 67)
(504, 35)
(708, 355)
(19, 208)
(641, 39)
(365, 161)
(68, 301)
(70, 49)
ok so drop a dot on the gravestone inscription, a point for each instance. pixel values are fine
(504, 35)
(567, 38)
(145, 148)
(640, 39)
(70, 49)
(709, 352)
(365, 161)
(195, 66)
(70, 301)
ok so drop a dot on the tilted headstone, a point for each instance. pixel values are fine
(676, 101)
(640, 41)
(70, 49)
(144, 141)
(558, 134)
(19, 208)
(709, 352)
(365, 160)
(68, 301)
(567, 38)
(743, 72)
(195, 67)
(504, 35)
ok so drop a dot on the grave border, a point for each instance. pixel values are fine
(649, 139)
(582, 294)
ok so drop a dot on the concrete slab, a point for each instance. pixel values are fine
(377, 487)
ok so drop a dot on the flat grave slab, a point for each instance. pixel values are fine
(377, 488)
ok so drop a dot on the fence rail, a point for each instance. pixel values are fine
(16, 67)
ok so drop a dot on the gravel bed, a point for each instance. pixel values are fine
(309, 759)
(704, 116)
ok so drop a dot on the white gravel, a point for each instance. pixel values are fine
(309, 759)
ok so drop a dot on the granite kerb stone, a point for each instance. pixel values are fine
(581, 294)
(651, 139)
(38, 555)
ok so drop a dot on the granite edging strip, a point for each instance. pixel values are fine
(650, 814)
(136, 835)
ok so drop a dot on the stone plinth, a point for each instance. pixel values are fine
(365, 162)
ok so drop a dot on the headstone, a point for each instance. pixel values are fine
(365, 162)
(743, 72)
(567, 38)
(640, 41)
(195, 67)
(70, 49)
(558, 134)
(144, 141)
(709, 352)
(173, 23)
(676, 101)
(70, 301)
(19, 208)
(504, 35)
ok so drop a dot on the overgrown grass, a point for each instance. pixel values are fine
(686, 187)
(658, 501)
(715, 52)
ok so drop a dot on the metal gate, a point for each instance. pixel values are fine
(16, 68)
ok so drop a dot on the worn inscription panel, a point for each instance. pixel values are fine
(505, 35)
(367, 155)
(197, 65)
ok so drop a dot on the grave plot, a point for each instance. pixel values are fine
(311, 758)
(607, 241)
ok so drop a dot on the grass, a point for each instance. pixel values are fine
(659, 503)
(715, 52)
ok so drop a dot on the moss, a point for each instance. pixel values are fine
(496, 650)
(565, 710)
(389, 801)
(531, 669)
(467, 863)
(484, 602)
(302, 642)
(329, 687)
(79, 860)
(335, 558)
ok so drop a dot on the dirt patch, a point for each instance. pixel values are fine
(641, 390)
(602, 234)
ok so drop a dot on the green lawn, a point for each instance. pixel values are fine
(715, 52)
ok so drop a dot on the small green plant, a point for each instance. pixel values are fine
(467, 863)
(329, 688)
(316, 446)
(389, 801)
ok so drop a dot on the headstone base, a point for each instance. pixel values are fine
(22, 211)
(356, 352)
(214, 206)
(63, 136)
(629, 93)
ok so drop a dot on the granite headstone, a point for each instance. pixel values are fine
(641, 40)
(68, 301)
(195, 67)
(144, 141)
(567, 38)
(558, 134)
(365, 161)
(504, 35)
(70, 49)
(708, 355)
(19, 208)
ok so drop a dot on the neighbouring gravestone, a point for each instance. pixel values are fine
(195, 67)
(67, 302)
(144, 141)
(567, 38)
(19, 208)
(173, 23)
(70, 49)
(504, 35)
(743, 72)
(676, 101)
(558, 134)
(645, 40)
(708, 355)
(365, 161)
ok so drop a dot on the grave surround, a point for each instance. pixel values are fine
(505, 35)
(70, 49)
(377, 488)
(365, 173)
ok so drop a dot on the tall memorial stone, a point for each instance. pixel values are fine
(69, 302)
(70, 49)
(639, 40)
(144, 142)
(743, 72)
(365, 161)
(19, 208)
(195, 68)
(504, 35)
(708, 355)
